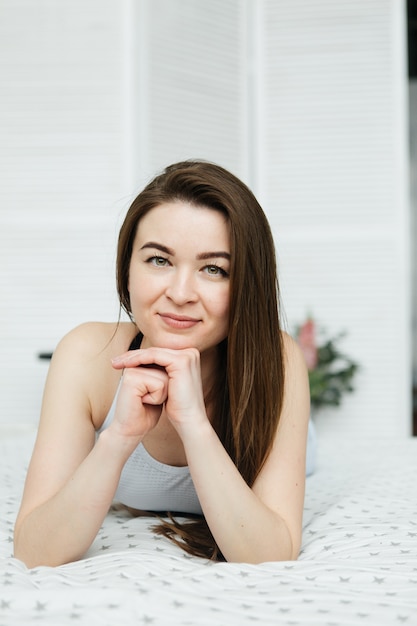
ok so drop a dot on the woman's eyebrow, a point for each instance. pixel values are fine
(158, 246)
(213, 255)
(202, 256)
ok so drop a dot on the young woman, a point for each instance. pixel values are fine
(198, 405)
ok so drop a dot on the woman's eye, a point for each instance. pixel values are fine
(158, 261)
(215, 270)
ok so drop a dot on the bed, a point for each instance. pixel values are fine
(358, 563)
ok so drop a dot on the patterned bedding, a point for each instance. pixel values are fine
(358, 563)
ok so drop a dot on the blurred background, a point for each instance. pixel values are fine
(312, 102)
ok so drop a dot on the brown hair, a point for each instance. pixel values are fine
(247, 395)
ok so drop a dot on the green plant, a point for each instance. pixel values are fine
(330, 371)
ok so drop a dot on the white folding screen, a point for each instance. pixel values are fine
(303, 99)
(61, 155)
(334, 159)
(97, 96)
(188, 84)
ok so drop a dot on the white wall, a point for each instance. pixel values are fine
(303, 99)
(413, 177)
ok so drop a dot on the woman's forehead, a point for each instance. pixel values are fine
(181, 221)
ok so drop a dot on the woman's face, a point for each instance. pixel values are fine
(179, 277)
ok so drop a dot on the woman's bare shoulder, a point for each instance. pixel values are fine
(292, 351)
(81, 365)
(92, 340)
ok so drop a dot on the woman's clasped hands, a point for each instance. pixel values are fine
(157, 379)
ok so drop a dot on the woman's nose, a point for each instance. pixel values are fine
(181, 287)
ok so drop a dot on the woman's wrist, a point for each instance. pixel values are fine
(116, 445)
(195, 434)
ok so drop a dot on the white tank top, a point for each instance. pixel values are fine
(148, 485)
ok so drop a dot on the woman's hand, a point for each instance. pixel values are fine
(157, 376)
(140, 400)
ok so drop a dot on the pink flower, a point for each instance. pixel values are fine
(307, 342)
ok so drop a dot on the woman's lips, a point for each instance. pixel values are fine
(178, 321)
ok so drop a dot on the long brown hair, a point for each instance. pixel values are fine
(247, 396)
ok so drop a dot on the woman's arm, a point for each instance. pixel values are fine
(62, 526)
(263, 523)
(71, 480)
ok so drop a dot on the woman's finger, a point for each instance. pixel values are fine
(154, 357)
(150, 384)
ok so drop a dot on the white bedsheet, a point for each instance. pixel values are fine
(358, 563)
